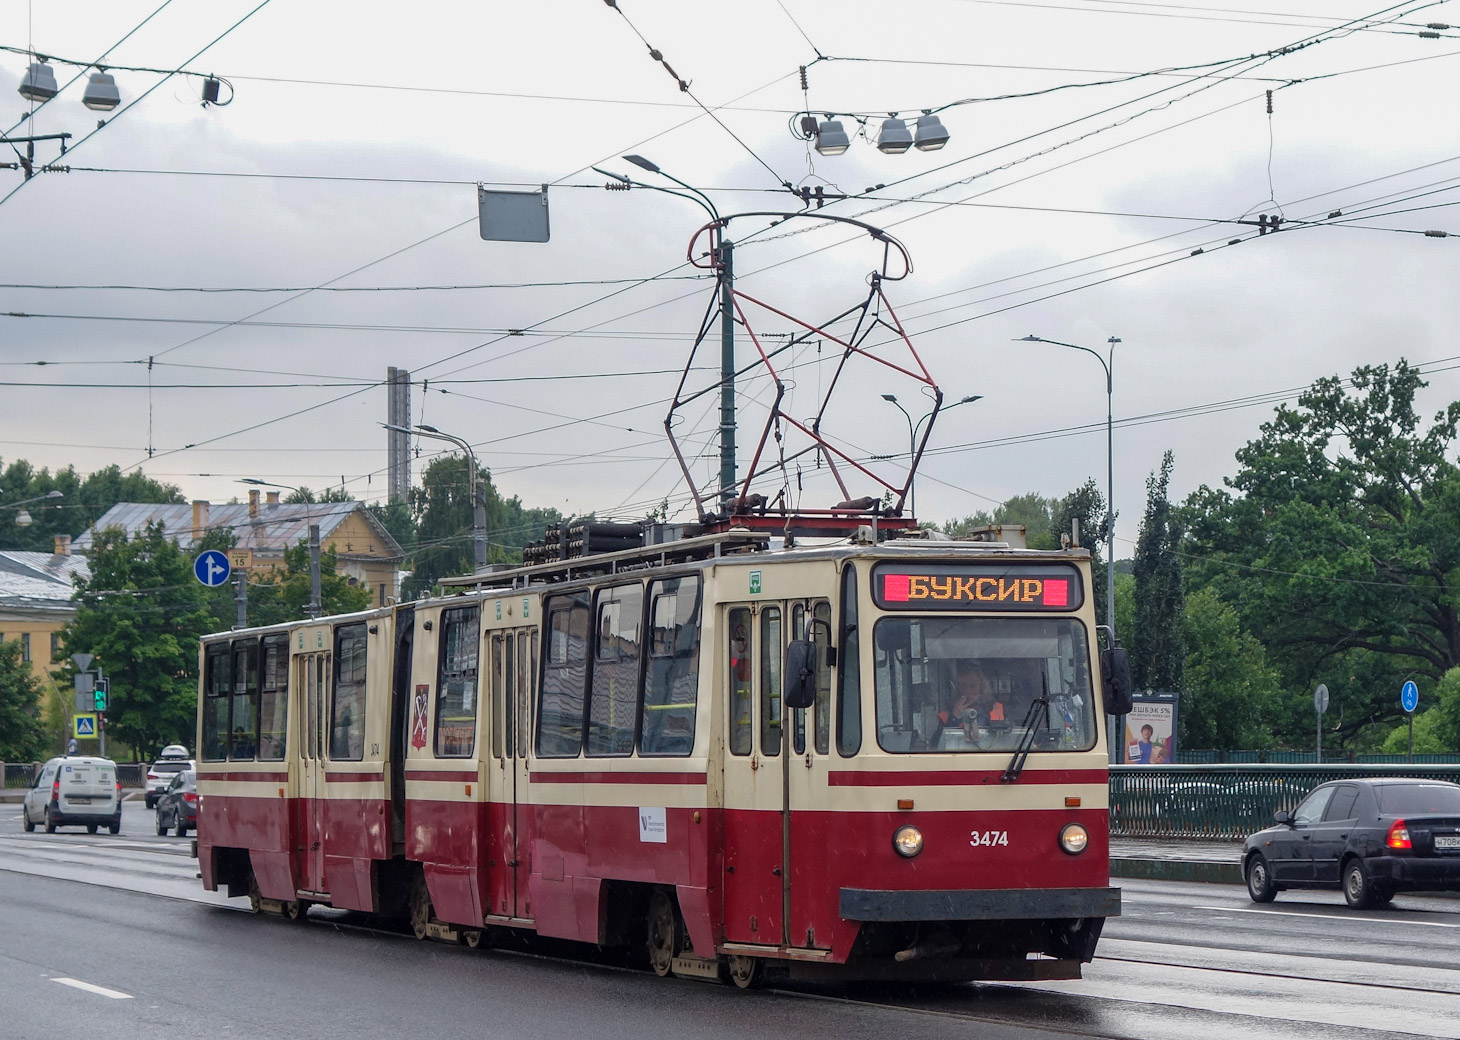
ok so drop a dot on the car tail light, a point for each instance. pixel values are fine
(1398, 836)
(191, 797)
(119, 788)
(56, 790)
(151, 776)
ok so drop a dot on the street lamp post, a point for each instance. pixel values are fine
(912, 433)
(1109, 464)
(23, 518)
(478, 494)
(726, 263)
(316, 605)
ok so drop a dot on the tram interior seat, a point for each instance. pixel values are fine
(895, 739)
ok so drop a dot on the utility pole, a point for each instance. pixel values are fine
(314, 593)
(240, 599)
(727, 374)
(398, 421)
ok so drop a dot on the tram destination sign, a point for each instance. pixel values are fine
(981, 586)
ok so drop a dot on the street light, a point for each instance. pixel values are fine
(23, 518)
(726, 270)
(478, 494)
(1109, 464)
(316, 597)
(912, 432)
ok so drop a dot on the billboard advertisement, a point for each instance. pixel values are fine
(1150, 730)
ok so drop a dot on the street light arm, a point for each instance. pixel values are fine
(1073, 346)
(692, 194)
(47, 497)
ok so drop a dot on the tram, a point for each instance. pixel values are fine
(867, 755)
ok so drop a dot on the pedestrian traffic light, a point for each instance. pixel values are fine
(101, 693)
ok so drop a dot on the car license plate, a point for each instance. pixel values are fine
(1447, 841)
(79, 799)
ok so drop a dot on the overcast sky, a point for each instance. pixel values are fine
(350, 154)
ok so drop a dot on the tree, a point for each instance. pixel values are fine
(303, 495)
(1437, 727)
(1087, 505)
(1157, 652)
(22, 733)
(82, 501)
(1339, 541)
(1229, 690)
(277, 597)
(140, 613)
(1032, 510)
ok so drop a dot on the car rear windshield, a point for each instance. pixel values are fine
(169, 767)
(1407, 799)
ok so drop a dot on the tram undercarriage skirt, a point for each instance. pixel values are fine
(1006, 904)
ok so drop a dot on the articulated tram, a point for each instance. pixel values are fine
(741, 758)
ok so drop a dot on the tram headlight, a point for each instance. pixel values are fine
(908, 841)
(1074, 838)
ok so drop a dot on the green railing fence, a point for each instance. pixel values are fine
(1228, 801)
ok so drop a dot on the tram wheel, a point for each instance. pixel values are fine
(743, 971)
(295, 909)
(420, 906)
(255, 897)
(471, 938)
(666, 935)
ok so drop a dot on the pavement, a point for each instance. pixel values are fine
(1177, 859)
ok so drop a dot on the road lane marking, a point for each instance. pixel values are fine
(1315, 917)
(101, 991)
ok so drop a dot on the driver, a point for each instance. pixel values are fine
(974, 703)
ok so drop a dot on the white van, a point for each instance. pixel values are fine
(75, 791)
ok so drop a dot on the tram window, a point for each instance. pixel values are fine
(849, 677)
(514, 666)
(821, 636)
(613, 695)
(499, 694)
(456, 684)
(215, 703)
(560, 719)
(741, 659)
(526, 675)
(243, 744)
(671, 680)
(347, 711)
(771, 649)
(311, 705)
(274, 699)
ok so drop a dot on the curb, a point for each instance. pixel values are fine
(1214, 872)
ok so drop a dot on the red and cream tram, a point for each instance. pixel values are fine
(740, 757)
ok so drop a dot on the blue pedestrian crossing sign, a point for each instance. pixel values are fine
(1409, 696)
(85, 724)
(211, 568)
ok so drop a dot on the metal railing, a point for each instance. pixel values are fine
(1228, 801)
(23, 774)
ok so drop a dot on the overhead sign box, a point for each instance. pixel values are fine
(513, 216)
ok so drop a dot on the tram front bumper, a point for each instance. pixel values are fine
(997, 904)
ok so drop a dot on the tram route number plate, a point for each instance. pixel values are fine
(1447, 841)
(989, 838)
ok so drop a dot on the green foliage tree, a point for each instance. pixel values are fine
(303, 495)
(83, 500)
(1032, 510)
(140, 613)
(1228, 688)
(443, 510)
(274, 598)
(22, 732)
(1339, 541)
(1158, 656)
(1087, 505)
(1437, 726)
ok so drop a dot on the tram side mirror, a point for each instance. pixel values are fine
(800, 673)
(1115, 673)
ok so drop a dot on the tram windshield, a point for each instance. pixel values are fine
(959, 684)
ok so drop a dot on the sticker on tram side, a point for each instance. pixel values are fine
(653, 827)
(755, 583)
(418, 717)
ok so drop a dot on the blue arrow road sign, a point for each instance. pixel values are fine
(211, 568)
(1409, 696)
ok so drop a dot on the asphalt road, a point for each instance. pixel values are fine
(112, 936)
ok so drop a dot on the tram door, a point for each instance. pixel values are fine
(808, 843)
(757, 818)
(313, 679)
(513, 656)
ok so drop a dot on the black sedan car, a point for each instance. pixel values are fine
(1371, 838)
(177, 807)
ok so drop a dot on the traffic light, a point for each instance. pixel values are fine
(102, 694)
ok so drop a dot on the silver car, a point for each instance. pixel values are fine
(75, 790)
(174, 760)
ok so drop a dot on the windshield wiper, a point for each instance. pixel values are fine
(1026, 739)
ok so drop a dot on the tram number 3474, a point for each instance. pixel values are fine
(989, 838)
